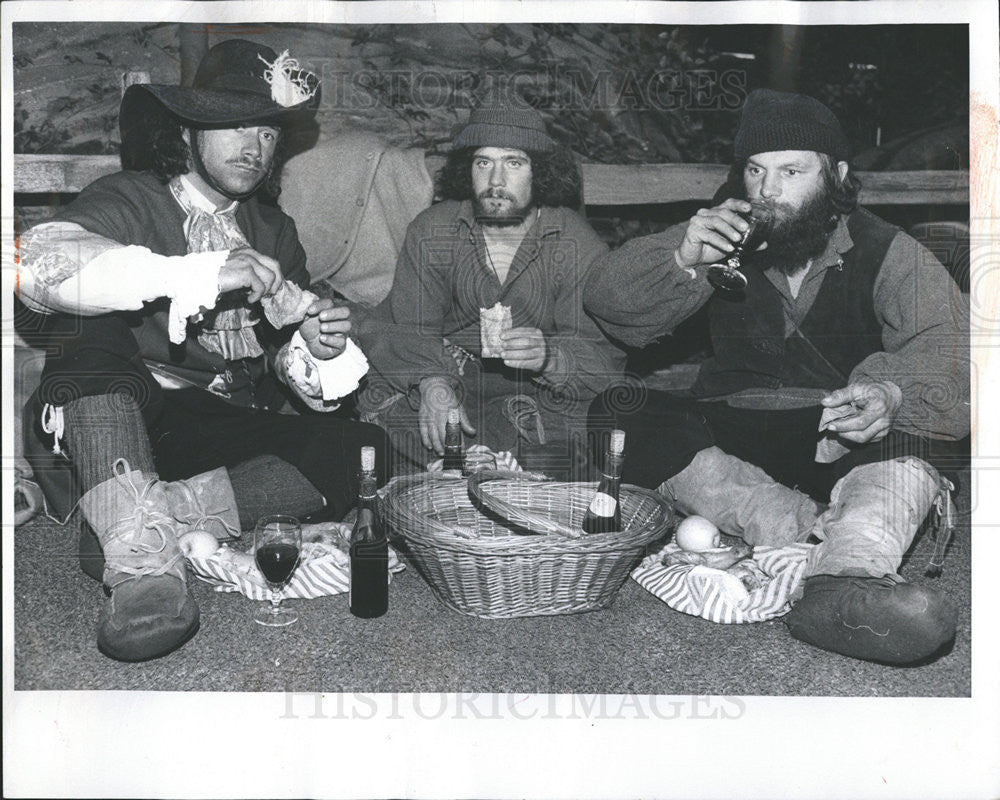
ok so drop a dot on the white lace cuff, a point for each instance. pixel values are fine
(192, 283)
(323, 380)
(288, 305)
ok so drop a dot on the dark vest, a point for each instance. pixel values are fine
(840, 330)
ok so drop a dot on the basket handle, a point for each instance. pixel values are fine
(535, 523)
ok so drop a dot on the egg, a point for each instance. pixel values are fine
(695, 534)
(198, 544)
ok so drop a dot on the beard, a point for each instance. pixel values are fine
(796, 235)
(491, 216)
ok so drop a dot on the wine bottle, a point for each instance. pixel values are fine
(453, 457)
(369, 592)
(604, 513)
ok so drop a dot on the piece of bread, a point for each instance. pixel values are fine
(492, 323)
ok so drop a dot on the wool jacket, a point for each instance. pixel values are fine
(135, 208)
(443, 278)
(638, 294)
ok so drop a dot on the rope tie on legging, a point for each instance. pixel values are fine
(200, 516)
(944, 527)
(53, 423)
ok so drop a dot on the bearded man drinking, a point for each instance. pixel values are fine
(841, 369)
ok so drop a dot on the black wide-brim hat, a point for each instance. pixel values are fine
(238, 83)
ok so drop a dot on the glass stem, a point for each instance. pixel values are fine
(275, 601)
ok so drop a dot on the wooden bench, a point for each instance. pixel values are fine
(604, 184)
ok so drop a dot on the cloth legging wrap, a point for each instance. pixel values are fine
(193, 431)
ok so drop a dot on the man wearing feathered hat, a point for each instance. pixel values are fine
(180, 314)
(839, 375)
(486, 304)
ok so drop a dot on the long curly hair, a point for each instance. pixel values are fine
(555, 177)
(842, 194)
(165, 153)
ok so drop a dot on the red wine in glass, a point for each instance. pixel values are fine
(726, 275)
(277, 545)
(277, 561)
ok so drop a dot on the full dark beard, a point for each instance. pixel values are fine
(797, 236)
(491, 219)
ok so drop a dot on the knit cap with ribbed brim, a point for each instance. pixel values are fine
(773, 121)
(502, 125)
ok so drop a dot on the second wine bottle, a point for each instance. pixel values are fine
(369, 592)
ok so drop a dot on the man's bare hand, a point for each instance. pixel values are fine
(524, 348)
(712, 233)
(869, 410)
(247, 269)
(436, 398)
(325, 328)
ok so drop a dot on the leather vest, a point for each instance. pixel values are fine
(840, 330)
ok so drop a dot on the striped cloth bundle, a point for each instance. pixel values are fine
(719, 596)
(323, 569)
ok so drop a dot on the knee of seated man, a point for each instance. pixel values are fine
(339, 438)
(71, 381)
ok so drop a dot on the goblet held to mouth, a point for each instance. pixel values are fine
(727, 275)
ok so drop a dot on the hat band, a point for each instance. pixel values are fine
(238, 83)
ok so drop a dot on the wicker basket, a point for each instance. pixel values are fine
(524, 554)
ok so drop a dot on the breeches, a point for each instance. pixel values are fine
(192, 431)
(664, 432)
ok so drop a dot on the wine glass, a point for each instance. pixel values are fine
(277, 543)
(726, 275)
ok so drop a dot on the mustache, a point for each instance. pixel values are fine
(254, 163)
(495, 194)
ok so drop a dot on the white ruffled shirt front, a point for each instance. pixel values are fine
(66, 268)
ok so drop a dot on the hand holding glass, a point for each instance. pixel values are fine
(726, 275)
(277, 543)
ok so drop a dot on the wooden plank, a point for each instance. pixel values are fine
(621, 184)
(45, 174)
(926, 187)
(605, 184)
(624, 184)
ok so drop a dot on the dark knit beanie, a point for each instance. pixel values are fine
(784, 121)
(498, 123)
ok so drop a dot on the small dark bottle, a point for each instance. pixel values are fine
(369, 595)
(453, 457)
(604, 514)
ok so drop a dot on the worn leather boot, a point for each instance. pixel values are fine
(875, 619)
(149, 612)
(742, 500)
(853, 602)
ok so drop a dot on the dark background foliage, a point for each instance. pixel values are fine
(613, 93)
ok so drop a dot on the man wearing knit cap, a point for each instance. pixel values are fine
(841, 369)
(486, 307)
(181, 323)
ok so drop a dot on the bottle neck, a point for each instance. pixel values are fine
(368, 487)
(453, 434)
(613, 464)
